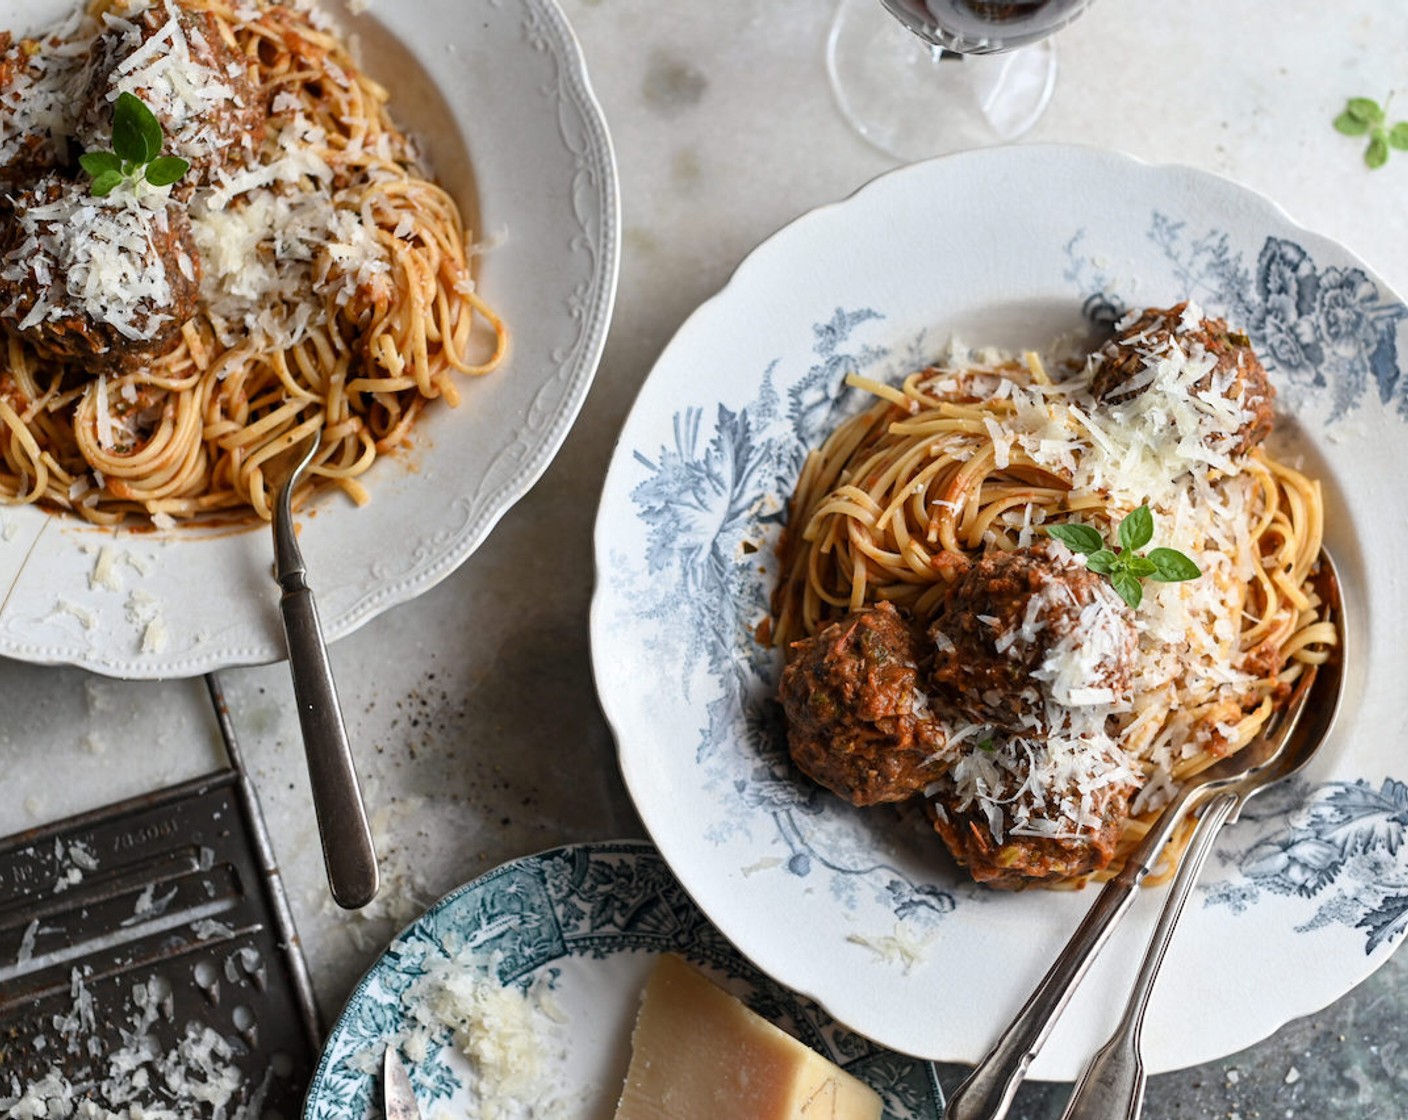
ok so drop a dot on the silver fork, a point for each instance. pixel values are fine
(348, 852)
(1112, 1085)
(988, 1091)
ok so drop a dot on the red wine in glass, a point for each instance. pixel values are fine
(984, 26)
(922, 77)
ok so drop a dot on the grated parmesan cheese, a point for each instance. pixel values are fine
(503, 1031)
(138, 1079)
(1169, 445)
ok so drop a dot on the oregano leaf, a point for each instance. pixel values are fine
(1102, 561)
(1078, 538)
(1171, 566)
(1128, 588)
(1351, 125)
(105, 182)
(95, 163)
(136, 133)
(165, 170)
(1376, 154)
(1136, 529)
(1365, 109)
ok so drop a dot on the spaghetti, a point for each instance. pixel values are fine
(335, 295)
(1065, 717)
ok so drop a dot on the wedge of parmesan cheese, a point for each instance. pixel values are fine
(699, 1054)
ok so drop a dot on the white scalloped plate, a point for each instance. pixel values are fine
(1009, 247)
(498, 92)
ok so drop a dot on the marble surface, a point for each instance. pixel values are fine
(472, 710)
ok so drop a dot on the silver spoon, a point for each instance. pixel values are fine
(348, 853)
(988, 1091)
(1112, 1086)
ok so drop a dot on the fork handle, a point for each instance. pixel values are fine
(346, 837)
(987, 1093)
(1112, 1086)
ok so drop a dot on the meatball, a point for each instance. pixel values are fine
(1020, 632)
(106, 281)
(1011, 828)
(1125, 367)
(178, 63)
(1019, 861)
(857, 722)
(40, 81)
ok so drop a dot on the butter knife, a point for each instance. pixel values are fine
(399, 1097)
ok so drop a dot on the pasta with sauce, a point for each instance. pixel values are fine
(942, 643)
(163, 343)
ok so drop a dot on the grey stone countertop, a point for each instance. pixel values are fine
(472, 708)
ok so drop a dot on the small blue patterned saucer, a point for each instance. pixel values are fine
(584, 923)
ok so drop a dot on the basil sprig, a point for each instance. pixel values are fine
(136, 151)
(1125, 566)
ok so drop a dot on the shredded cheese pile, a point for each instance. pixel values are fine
(96, 255)
(1166, 445)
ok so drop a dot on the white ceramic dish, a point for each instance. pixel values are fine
(1010, 247)
(498, 92)
(588, 921)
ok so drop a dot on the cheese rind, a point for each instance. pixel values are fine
(700, 1054)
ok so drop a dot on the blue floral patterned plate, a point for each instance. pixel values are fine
(582, 924)
(860, 909)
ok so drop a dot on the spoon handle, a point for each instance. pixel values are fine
(987, 1093)
(1112, 1086)
(346, 836)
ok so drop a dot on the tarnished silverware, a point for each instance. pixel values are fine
(1112, 1085)
(398, 1098)
(348, 853)
(988, 1091)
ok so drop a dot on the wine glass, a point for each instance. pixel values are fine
(922, 77)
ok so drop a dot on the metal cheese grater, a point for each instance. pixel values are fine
(147, 950)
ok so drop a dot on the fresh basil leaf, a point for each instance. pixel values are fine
(1140, 566)
(987, 745)
(1078, 538)
(95, 163)
(1398, 136)
(1171, 566)
(1102, 561)
(1128, 588)
(165, 170)
(105, 182)
(136, 133)
(1376, 154)
(1351, 125)
(1136, 529)
(1365, 109)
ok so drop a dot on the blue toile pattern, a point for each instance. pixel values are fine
(713, 503)
(1327, 329)
(533, 917)
(1344, 848)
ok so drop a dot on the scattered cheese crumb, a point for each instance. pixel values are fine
(900, 948)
